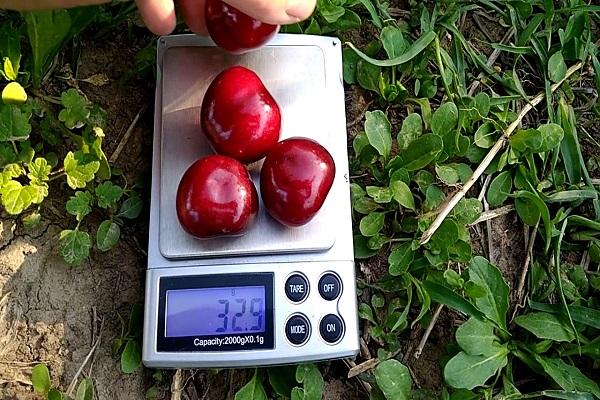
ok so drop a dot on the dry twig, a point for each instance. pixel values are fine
(360, 116)
(491, 60)
(447, 207)
(585, 260)
(364, 349)
(115, 155)
(363, 367)
(488, 228)
(23, 363)
(436, 315)
(483, 30)
(95, 335)
(16, 380)
(73, 383)
(484, 187)
(7, 336)
(528, 256)
(495, 213)
(351, 364)
(398, 12)
(488, 224)
(369, 364)
(176, 385)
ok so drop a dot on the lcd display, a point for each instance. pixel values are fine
(215, 311)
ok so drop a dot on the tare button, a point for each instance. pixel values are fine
(296, 288)
(297, 329)
(330, 286)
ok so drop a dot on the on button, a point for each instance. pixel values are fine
(331, 328)
(330, 286)
(297, 329)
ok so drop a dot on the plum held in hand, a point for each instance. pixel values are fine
(234, 31)
(216, 197)
(295, 180)
(239, 116)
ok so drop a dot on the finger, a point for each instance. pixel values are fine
(193, 13)
(158, 15)
(46, 4)
(279, 12)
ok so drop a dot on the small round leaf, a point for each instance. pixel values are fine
(108, 235)
(13, 93)
(394, 380)
(371, 224)
(131, 358)
(40, 378)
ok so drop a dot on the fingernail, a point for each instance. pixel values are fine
(300, 10)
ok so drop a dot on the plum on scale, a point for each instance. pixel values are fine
(216, 197)
(295, 179)
(239, 116)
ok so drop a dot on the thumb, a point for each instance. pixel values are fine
(159, 15)
(278, 12)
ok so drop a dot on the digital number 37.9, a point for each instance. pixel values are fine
(255, 310)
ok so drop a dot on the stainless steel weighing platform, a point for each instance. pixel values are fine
(300, 281)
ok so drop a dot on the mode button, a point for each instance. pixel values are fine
(297, 329)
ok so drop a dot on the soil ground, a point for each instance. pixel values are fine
(53, 313)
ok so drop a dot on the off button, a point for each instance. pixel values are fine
(297, 329)
(330, 286)
(296, 288)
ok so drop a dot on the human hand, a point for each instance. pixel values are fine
(159, 15)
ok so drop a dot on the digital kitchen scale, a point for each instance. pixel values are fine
(276, 295)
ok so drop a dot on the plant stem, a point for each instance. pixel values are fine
(49, 99)
(396, 240)
(58, 174)
(449, 206)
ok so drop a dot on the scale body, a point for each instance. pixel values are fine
(275, 295)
